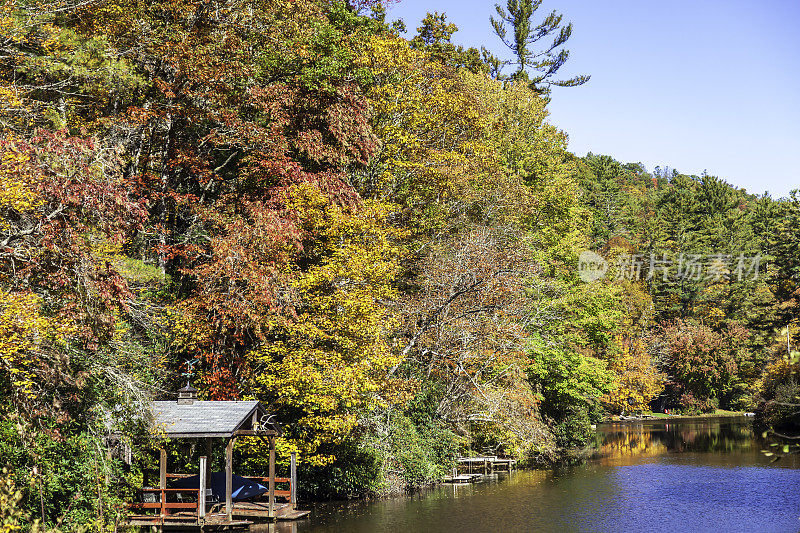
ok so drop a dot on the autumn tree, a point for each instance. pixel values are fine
(66, 213)
(466, 339)
(702, 363)
(429, 127)
(638, 380)
(70, 351)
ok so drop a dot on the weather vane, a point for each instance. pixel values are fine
(189, 371)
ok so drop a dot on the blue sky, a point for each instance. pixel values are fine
(694, 85)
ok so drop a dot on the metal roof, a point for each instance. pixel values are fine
(202, 418)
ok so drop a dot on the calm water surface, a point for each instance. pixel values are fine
(706, 475)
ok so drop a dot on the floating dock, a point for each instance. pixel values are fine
(463, 478)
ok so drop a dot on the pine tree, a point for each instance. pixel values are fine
(544, 63)
(434, 37)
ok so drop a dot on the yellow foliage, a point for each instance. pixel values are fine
(318, 350)
(638, 381)
(429, 125)
(780, 371)
(23, 329)
(331, 361)
(16, 190)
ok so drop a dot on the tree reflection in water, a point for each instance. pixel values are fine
(671, 476)
(617, 441)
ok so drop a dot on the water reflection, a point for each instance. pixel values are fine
(706, 475)
(732, 437)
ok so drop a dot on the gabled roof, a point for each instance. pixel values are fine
(207, 418)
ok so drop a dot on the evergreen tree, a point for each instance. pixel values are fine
(785, 278)
(523, 38)
(433, 36)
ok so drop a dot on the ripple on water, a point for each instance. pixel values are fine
(683, 498)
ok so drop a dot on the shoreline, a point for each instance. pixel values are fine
(664, 417)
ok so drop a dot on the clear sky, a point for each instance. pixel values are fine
(694, 85)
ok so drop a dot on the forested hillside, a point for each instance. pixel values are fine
(378, 237)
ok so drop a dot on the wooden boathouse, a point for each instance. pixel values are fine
(187, 500)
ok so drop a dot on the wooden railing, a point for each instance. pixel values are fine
(278, 493)
(163, 505)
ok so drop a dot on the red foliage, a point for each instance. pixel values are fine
(79, 201)
(218, 158)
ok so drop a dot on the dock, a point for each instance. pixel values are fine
(243, 516)
(260, 510)
(186, 521)
(463, 478)
(212, 498)
(478, 467)
(488, 463)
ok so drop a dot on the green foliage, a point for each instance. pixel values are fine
(402, 454)
(433, 36)
(356, 472)
(422, 452)
(570, 386)
(67, 474)
(14, 516)
(784, 243)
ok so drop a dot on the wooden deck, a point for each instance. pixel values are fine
(243, 515)
(487, 463)
(479, 467)
(260, 511)
(187, 521)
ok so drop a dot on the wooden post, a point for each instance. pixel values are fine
(201, 495)
(209, 456)
(162, 478)
(293, 479)
(272, 477)
(485, 466)
(229, 478)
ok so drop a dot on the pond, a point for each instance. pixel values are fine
(692, 475)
